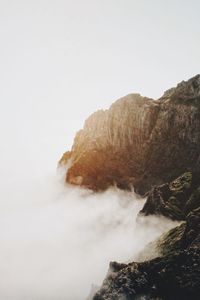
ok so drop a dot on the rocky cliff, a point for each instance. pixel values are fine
(139, 141)
(153, 145)
(175, 274)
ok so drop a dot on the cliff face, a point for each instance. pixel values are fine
(139, 141)
(174, 200)
(153, 145)
(175, 274)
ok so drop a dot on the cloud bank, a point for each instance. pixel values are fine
(56, 240)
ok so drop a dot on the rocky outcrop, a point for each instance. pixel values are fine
(139, 141)
(65, 158)
(165, 278)
(175, 274)
(176, 199)
(148, 143)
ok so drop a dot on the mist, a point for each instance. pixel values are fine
(56, 69)
(57, 240)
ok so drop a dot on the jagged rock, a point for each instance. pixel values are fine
(139, 141)
(175, 274)
(193, 202)
(169, 277)
(65, 158)
(186, 90)
(147, 144)
(174, 200)
(191, 234)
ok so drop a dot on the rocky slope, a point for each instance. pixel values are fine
(175, 274)
(153, 145)
(174, 200)
(139, 141)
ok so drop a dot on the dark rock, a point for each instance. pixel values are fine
(173, 200)
(175, 274)
(170, 277)
(193, 202)
(149, 144)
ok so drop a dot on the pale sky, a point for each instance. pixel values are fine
(62, 60)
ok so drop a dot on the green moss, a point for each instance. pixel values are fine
(182, 183)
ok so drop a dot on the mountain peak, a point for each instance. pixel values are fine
(139, 142)
(185, 90)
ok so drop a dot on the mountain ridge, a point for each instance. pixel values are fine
(139, 141)
(154, 146)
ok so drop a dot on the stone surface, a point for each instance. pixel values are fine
(153, 145)
(139, 141)
(175, 274)
(174, 200)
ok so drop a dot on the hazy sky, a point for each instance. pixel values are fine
(62, 60)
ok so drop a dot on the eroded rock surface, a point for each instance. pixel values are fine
(175, 274)
(139, 141)
(153, 145)
(174, 200)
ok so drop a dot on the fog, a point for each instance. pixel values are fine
(61, 61)
(57, 240)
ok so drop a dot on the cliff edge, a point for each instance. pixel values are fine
(139, 141)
